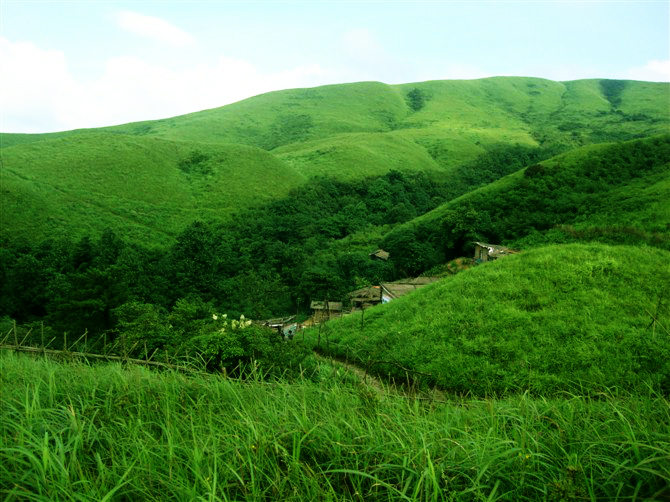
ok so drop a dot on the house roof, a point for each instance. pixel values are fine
(495, 251)
(417, 281)
(280, 321)
(370, 293)
(381, 254)
(316, 305)
(400, 288)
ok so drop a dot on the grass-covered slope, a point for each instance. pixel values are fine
(147, 189)
(352, 156)
(524, 109)
(551, 319)
(72, 432)
(614, 192)
(527, 110)
(128, 177)
(282, 117)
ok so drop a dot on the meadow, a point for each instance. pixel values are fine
(71, 431)
(541, 376)
(567, 318)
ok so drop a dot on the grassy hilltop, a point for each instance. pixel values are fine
(148, 180)
(614, 192)
(147, 189)
(562, 318)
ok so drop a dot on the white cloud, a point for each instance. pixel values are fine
(36, 88)
(653, 71)
(39, 94)
(155, 29)
(132, 89)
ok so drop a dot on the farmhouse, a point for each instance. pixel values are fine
(324, 310)
(489, 252)
(396, 289)
(380, 254)
(366, 297)
(279, 324)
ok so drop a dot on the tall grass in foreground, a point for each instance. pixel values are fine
(107, 432)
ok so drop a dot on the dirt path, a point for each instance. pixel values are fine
(381, 386)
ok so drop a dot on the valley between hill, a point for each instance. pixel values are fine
(161, 240)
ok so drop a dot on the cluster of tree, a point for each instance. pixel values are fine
(271, 261)
(416, 99)
(544, 204)
(266, 262)
(497, 162)
(612, 90)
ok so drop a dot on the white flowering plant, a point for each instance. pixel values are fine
(235, 346)
(229, 343)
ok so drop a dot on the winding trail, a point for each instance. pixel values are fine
(382, 387)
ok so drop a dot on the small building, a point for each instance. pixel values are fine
(392, 290)
(365, 297)
(489, 252)
(279, 324)
(290, 331)
(380, 254)
(324, 310)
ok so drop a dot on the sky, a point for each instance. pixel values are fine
(76, 64)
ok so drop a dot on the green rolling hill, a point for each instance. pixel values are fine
(550, 367)
(614, 192)
(148, 180)
(560, 318)
(145, 188)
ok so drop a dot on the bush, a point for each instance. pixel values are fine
(241, 348)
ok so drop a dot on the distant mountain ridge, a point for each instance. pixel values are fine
(148, 180)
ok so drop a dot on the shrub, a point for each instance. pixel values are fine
(242, 348)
